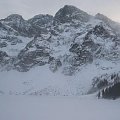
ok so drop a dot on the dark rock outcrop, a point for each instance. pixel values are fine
(70, 14)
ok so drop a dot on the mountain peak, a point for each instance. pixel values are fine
(70, 7)
(102, 17)
(41, 20)
(14, 17)
(42, 15)
(112, 24)
(70, 13)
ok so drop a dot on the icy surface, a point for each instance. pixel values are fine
(58, 108)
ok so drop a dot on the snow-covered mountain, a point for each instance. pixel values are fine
(60, 55)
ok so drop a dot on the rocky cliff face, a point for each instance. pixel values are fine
(83, 37)
(69, 41)
(70, 14)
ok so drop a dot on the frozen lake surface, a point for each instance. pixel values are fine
(58, 108)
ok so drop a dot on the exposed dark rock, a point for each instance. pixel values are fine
(69, 14)
(112, 92)
(3, 44)
(30, 59)
(16, 22)
(41, 20)
(99, 31)
(3, 55)
(55, 64)
(50, 32)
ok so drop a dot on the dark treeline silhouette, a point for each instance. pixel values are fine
(109, 89)
(102, 84)
(111, 92)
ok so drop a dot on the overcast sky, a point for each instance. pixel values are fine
(29, 8)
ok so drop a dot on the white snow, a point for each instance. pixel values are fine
(42, 80)
(13, 50)
(29, 95)
(58, 108)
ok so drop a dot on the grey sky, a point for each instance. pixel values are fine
(29, 8)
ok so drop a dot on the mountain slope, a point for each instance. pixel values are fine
(70, 14)
(73, 47)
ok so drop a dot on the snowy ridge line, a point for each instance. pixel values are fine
(58, 55)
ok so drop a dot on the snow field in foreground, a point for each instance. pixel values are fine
(38, 78)
(58, 108)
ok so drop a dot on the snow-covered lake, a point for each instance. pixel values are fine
(58, 108)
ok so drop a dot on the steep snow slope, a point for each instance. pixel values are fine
(41, 81)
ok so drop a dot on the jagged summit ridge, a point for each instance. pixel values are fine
(114, 25)
(70, 13)
(14, 17)
(41, 19)
(83, 39)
